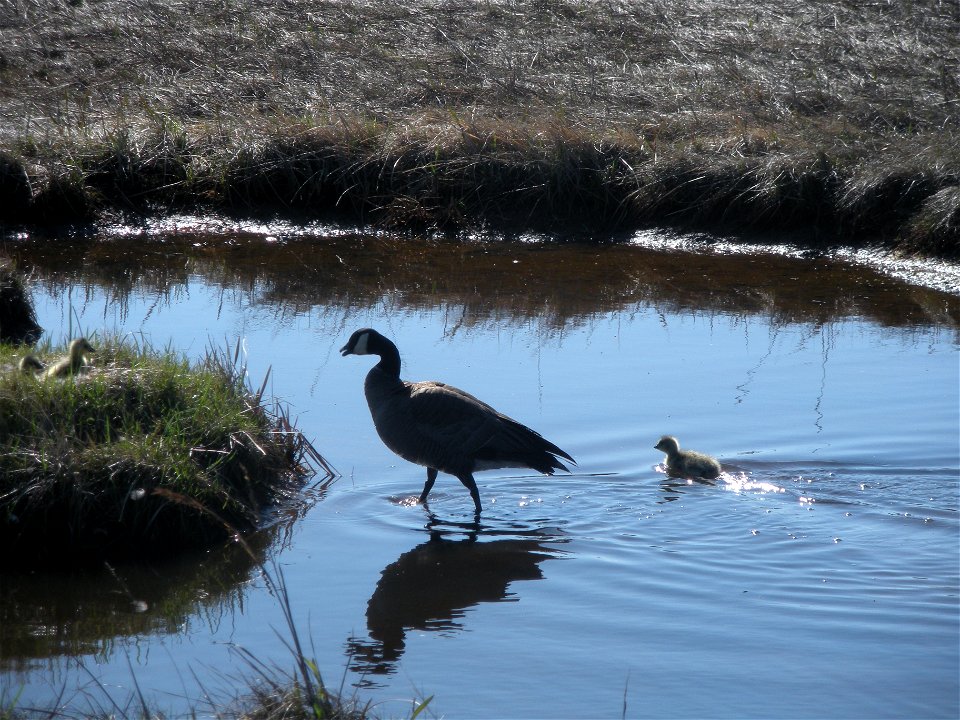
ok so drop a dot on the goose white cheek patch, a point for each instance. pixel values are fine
(361, 347)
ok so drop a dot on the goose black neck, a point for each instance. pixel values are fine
(389, 357)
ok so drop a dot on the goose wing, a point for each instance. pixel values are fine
(454, 421)
(450, 417)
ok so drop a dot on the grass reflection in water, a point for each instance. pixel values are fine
(561, 284)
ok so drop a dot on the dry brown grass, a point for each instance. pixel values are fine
(839, 117)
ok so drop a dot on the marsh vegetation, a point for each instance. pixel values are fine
(828, 121)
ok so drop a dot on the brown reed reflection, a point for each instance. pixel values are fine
(558, 284)
(92, 611)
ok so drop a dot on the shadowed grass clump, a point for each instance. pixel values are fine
(15, 194)
(139, 174)
(456, 176)
(447, 177)
(18, 321)
(137, 457)
(936, 225)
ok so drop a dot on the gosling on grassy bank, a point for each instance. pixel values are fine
(443, 428)
(71, 364)
(30, 364)
(687, 463)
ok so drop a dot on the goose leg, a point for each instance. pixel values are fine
(428, 485)
(471, 485)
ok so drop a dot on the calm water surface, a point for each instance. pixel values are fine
(817, 577)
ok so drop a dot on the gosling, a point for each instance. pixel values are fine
(687, 463)
(30, 364)
(71, 364)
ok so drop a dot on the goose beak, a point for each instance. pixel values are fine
(345, 350)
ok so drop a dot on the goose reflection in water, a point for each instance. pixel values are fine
(674, 488)
(431, 586)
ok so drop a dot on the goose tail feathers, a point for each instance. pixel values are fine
(524, 446)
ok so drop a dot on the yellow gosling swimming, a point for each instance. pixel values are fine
(71, 364)
(30, 364)
(687, 463)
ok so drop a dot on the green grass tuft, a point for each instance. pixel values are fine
(138, 456)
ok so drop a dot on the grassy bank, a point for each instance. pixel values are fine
(139, 456)
(828, 120)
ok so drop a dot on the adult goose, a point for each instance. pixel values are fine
(444, 428)
(71, 364)
(687, 463)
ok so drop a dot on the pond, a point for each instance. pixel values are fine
(817, 576)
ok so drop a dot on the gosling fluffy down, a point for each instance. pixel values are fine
(444, 428)
(687, 463)
(30, 364)
(71, 364)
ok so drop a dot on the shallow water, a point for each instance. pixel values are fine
(817, 577)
